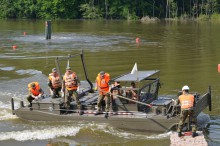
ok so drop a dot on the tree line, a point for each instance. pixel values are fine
(107, 9)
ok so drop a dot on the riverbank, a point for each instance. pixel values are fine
(214, 18)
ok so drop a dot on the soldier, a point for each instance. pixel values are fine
(102, 85)
(187, 102)
(71, 83)
(115, 91)
(54, 84)
(35, 92)
(132, 94)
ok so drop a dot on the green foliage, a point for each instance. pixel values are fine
(203, 18)
(51, 9)
(215, 17)
(90, 12)
(109, 9)
(7, 9)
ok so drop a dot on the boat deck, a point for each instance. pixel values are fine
(188, 140)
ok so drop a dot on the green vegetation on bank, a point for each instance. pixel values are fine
(110, 9)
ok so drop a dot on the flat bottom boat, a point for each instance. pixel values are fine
(149, 112)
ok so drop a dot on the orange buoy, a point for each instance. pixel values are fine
(25, 33)
(137, 40)
(14, 46)
(219, 68)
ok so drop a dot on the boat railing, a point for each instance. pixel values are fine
(148, 93)
(203, 102)
(150, 88)
(81, 55)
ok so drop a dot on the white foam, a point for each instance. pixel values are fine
(9, 68)
(5, 111)
(111, 130)
(40, 134)
(6, 115)
(50, 132)
(7, 105)
(140, 136)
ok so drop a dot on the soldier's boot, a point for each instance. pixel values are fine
(30, 105)
(180, 134)
(194, 134)
(81, 112)
(98, 112)
(106, 115)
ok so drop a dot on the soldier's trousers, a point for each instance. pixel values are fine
(72, 94)
(107, 102)
(184, 114)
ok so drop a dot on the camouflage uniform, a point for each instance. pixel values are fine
(184, 114)
(107, 102)
(72, 94)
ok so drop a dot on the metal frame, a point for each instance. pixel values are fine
(81, 54)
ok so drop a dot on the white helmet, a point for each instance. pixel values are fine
(185, 88)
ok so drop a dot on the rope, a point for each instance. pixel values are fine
(46, 59)
(149, 105)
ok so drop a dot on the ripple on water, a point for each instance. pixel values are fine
(213, 130)
(8, 68)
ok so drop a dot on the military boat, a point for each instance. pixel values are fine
(148, 112)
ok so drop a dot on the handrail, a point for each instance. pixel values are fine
(81, 54)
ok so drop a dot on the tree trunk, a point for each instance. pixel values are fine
(183, 6)
(153, 7)
(106, 9)
(167, 8)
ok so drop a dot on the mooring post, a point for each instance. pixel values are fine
(21, 103)
(12, 106)
(48, 30)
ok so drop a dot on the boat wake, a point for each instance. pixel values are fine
(126, 135)
(5, 111)
(40, 134)
(46, 132)
(133, 136)
(5, 115)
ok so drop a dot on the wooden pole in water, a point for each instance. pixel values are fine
(48, 30)
(12, 106)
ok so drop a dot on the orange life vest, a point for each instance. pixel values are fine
(102, 83)
(186, 101)
(35, 91)
(55, 81)
(71, 81)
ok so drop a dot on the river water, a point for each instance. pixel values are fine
(186, 53)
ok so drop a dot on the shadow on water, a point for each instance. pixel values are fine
(212, 132)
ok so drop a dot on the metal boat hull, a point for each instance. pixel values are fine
(141, 123)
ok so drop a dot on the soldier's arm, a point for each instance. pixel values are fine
(177, 101)
(63, 85)
(29, 93)
(41, 91)
(50, 84)
(78, 81)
